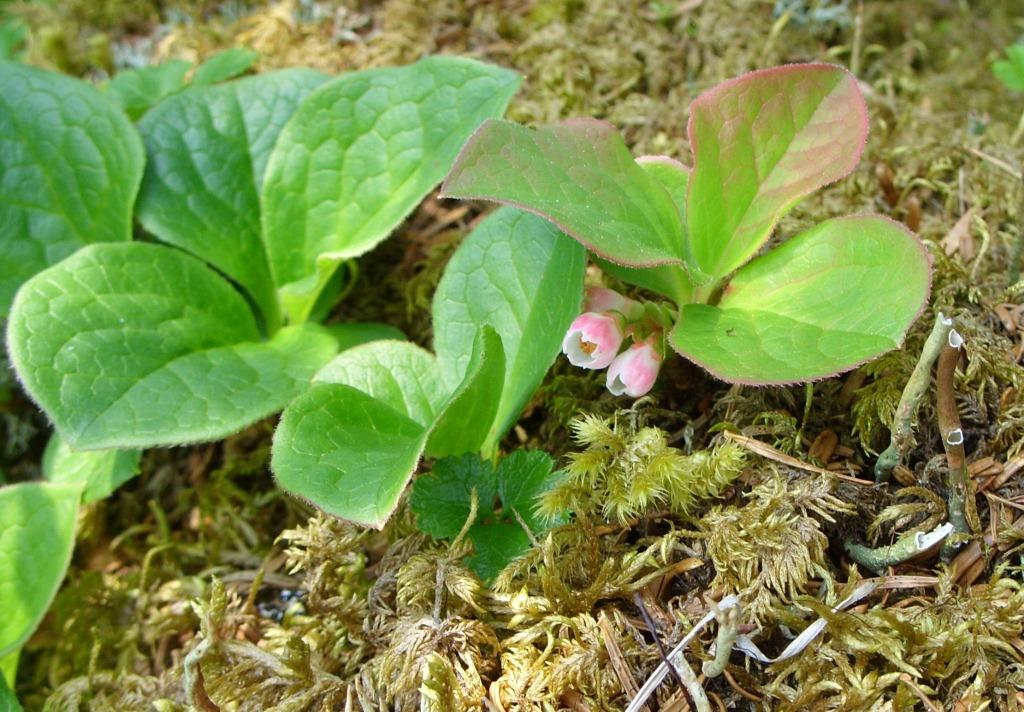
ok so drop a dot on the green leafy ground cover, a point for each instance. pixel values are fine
(200, 584)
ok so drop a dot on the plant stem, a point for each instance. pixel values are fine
(906, 548)
(903, 425)
(728, 628)
(959, 487)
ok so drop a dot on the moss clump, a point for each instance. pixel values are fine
(771, 549)
(625, 471)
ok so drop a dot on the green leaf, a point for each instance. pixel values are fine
(441, 498)
(136, 345)
(70, 164)
(442, 503)
(97, 472)
(137, 90)
(495, 546)
(670, 281)
(580, 175)
(37, 535)
(827, 300)
(523, 476)
(346, 452)
(208, 149)
(9, 671)
(8, 702)
(397, 373)
(466, 420)
(355, 333)
(223, 66)
(671, 175)
(359, 155)
(13, 33)
(761, 142)
(1010, 71)
(519, 275)
(667, 280)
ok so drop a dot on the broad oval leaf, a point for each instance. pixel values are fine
(519, 275)
(37, 536)
(208, 149)
(359, 155)
(827, 300)
(346, 452)
(580, 175)
(671, 280)
(98, 472)
(136, 345)
(398, 373)
(760, 143)
(467, 420)
(70, 164)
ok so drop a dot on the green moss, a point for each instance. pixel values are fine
(313, 613)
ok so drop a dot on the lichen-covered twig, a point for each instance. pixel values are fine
(917, 386)
(904, 549)
(959, 486)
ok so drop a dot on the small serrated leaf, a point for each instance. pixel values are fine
(840, 293)
(495, 546)
(522, 477)
(441, 498)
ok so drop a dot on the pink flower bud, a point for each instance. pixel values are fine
(602, 299)
(593, 340)
(634, 371)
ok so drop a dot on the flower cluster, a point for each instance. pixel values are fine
(595, 338)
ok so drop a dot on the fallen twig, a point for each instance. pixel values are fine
(904, 549)
(959, 486)
(917, 386)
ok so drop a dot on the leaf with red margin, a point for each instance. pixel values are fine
(761, 142)
(827, 300)
(579, 175)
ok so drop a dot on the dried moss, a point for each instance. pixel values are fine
(391, 620)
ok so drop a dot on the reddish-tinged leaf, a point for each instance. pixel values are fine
(835, 296)
(761, 142)
(579, 175)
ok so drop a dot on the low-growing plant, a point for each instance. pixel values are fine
(350, 443)
(826, 300)
(258, 189)
(506, 504)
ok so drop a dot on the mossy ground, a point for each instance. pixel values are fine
(200, 584)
